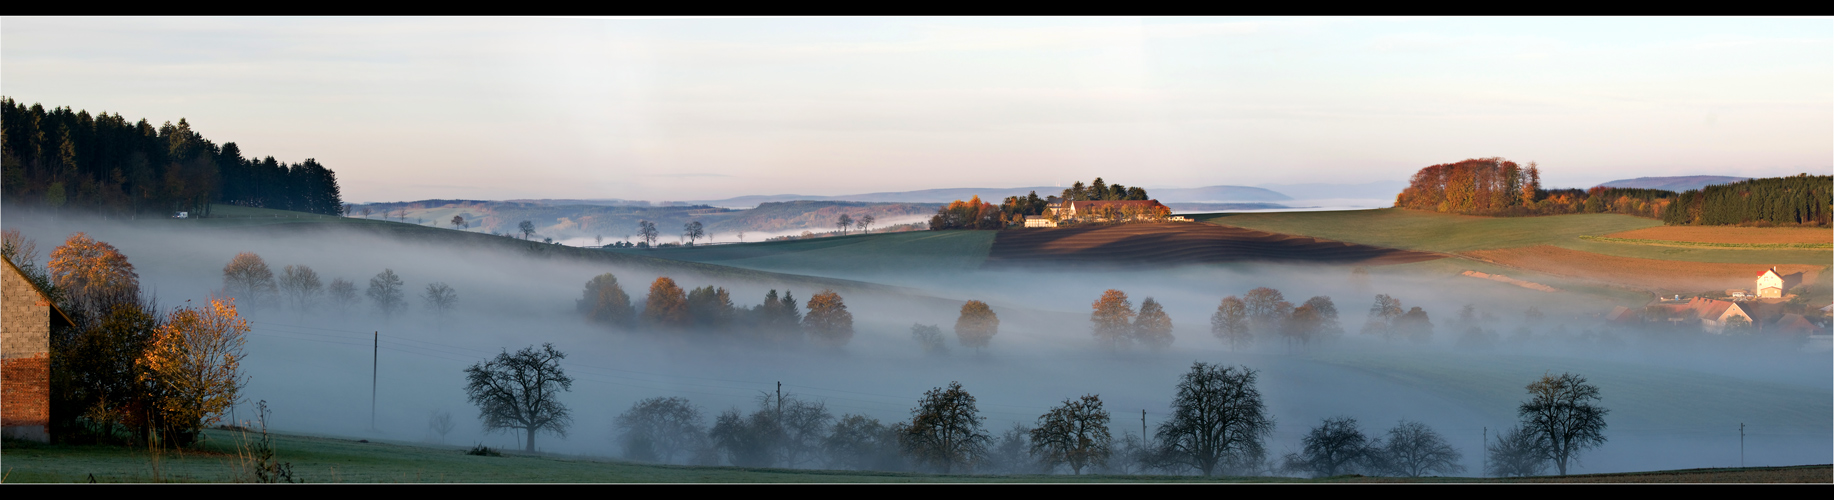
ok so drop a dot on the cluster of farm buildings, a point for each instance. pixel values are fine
(1761, 310)
(1057, 210)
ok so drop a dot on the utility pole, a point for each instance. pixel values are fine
(1741, 444)
(1486, 448)
(374, 361)
(780, 402)
(1142, 426)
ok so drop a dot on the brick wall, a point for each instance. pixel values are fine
(25, 363)
(25, 398)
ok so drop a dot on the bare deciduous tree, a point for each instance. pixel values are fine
(1218, 421)
(1414, 450)
(1563, 416)
(1333, 448)
(301, 286)
(862, 443)
(647, 230)
(385, 291)
(521, 391)
(1516, 452)
(1074, 434)
(440, 423)
(930, 337)
(343, 293)
(660, 429)
(440, 298)
(945, 429)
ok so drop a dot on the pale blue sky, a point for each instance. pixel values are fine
(494, 108)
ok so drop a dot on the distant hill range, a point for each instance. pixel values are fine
(1676, 184)
(617, 219)
(1209, 194)
(1378, 190)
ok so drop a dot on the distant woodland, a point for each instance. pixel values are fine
(60, 158)
(1800, 200)
(1499, 187)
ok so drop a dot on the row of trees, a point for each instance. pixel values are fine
(248, 277)
(1264, 312)
(60, 158)
(1495, 186)
(1800, 200)
(860, 223)
(1217, 424)
(125, 372)
(1100, 191)
(670, 310)
(1117, 326)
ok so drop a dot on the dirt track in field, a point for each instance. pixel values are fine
(1730, 234)
(1167, 244)
(1648, 274)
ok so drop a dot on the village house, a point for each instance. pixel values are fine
(1109, 209)
(26, 318)
(1772, 285)
(1711, 313)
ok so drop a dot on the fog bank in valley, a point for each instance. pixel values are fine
(1676, 401)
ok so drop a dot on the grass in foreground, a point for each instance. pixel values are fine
(331, 460)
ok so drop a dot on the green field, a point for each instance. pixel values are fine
(337, 460)
(1436, 232)
(921, 251)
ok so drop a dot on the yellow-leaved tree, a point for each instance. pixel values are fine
(194, 365)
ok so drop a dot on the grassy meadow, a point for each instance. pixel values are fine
(317, 459)
(1447, 233)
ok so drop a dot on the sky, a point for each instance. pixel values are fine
(707, 108)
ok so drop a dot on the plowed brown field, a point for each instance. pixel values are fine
(1179, 243)
(1730, 234)
(1649, 274)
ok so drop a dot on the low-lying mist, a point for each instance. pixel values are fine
(1677, 399)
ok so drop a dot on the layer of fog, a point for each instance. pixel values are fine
(725, 237)
(314, 369)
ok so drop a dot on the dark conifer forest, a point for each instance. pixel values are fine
(60, 158)
(1800, 200)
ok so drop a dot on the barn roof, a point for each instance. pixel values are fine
(58, 313)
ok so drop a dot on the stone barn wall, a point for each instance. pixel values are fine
(25, 363)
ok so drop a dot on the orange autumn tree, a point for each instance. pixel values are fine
(828, 321)
(977, 324)
(93, 274)
(667, 305)
(194, 366)
(1112, 319)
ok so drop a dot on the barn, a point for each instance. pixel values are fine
(26, 319)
